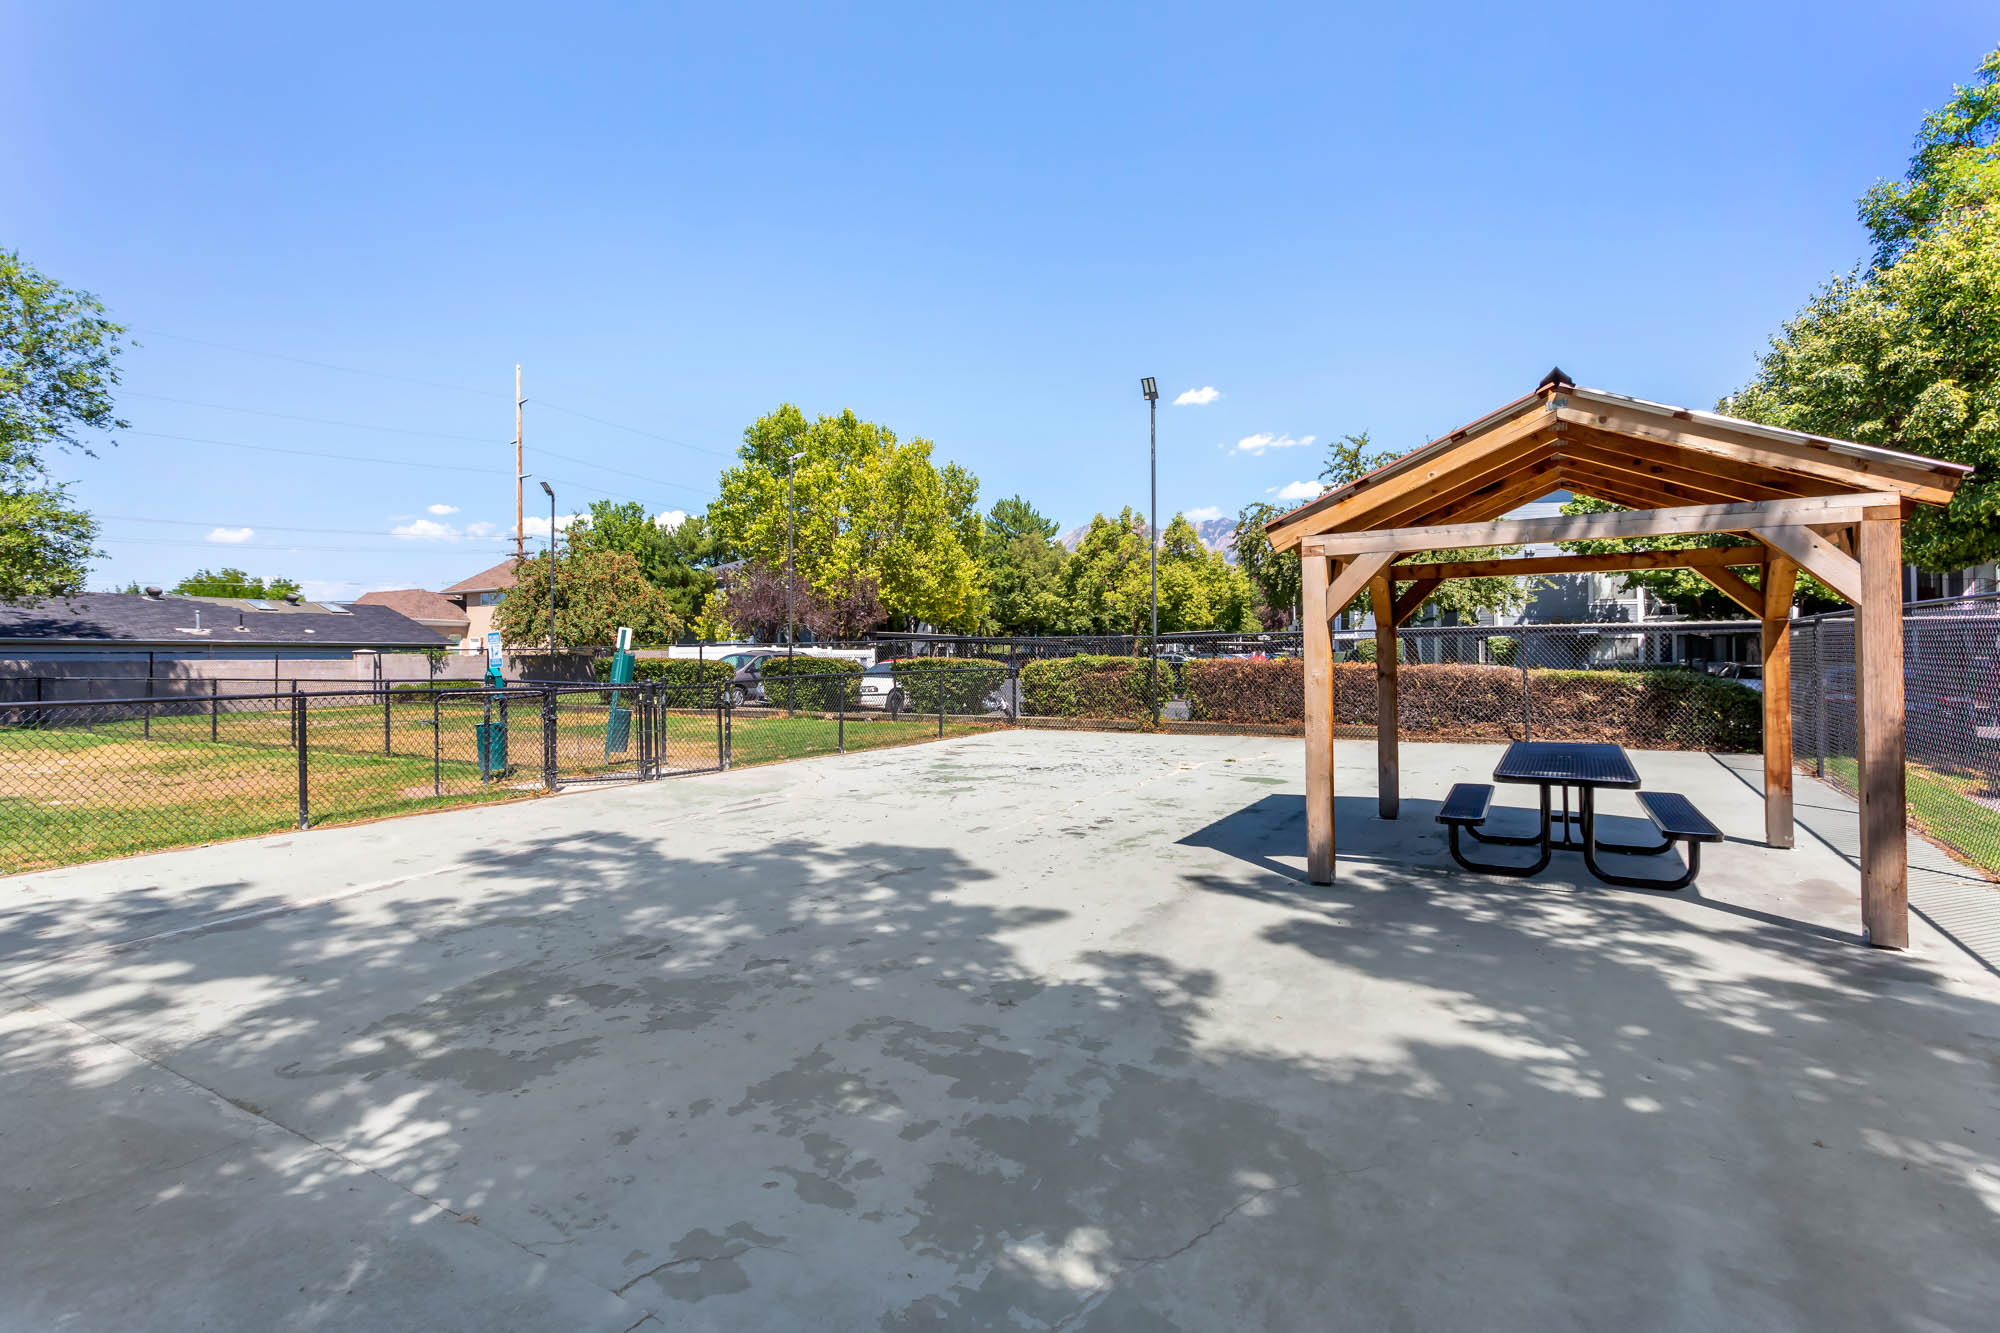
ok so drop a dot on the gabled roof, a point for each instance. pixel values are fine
(419, 604)
(1632, 452)
(135, 619)
(486, 580)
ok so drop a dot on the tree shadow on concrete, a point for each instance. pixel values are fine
(875, 1084)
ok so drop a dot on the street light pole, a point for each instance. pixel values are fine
(550, 492)
(1151, 389)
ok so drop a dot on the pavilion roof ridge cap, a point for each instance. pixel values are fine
(1833, 442)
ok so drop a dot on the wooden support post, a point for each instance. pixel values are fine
(1317, 618)
(1878, 695)
(1781, 578)
(1381, 596)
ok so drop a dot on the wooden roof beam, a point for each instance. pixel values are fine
(1748, 517)
(1608, 562)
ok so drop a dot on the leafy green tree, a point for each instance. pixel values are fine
(596, 592)
(232, 582)
(1273, 574)
(869, 508)
(1907, 354)
(58, 366)
(1106, 583)
(1352, 456)
(674, 559)
(1023, 570)
(1199, 589)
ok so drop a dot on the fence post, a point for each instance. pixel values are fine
(725, 724)
(841, 704)
(385, 719)
(437, 745)
(1819, 703)
(549, 737)
(1527, 713)
(940, 689)
(148, 725)
(299, 731)
(214, 707)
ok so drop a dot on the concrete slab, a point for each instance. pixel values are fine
(1021, 1030)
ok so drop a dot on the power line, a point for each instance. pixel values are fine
(432, 384)
(270, 527)
(315, 453)
(308, 361)
(223, 548)
(320, 421)
(651, 435)
(636, 476)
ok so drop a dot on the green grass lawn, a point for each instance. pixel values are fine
(69, 795)
(1940, 806)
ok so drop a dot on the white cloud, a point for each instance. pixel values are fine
(1201, 397)
(669, 519)
(231, 535)
(423, 530)
(482, 529)
(1257, 444)
(442, 510)
(539, 527)
(1203, 514)
(1292, 492)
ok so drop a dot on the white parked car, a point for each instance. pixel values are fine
(880, 690)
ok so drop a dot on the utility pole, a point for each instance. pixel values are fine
(520, 474)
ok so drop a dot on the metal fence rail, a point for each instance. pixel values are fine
(1951, 710)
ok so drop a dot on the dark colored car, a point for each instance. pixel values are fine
(748, 685)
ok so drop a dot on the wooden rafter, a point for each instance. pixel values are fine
(1745, 447)
(1411, 599)
(1442, 469)
(1632, 492)
(1449, 494)
(1674, 480)
(1751, 481)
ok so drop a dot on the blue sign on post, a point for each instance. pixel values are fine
(490, 736)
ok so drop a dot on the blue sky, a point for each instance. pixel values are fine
(977, 227)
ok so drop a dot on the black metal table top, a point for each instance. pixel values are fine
(1570, 763)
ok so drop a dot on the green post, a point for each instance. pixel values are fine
(618, 726)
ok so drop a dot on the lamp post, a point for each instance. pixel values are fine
(550, 492)
(1151, 390)
(791, 521)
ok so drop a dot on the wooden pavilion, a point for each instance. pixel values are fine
(1830, 507)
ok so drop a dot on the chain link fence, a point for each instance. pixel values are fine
(84, 780)
(1951, 712)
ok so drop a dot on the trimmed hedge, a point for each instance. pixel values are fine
(811, 682)
(672, 670)
(955, 684)
(1092, 685)
(1652, 708)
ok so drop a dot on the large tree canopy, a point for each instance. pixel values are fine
(1907, 354)
(58, 367)
(869, 508)
(232, 582)
(596, 592)
(674, 558)
(1024, 565)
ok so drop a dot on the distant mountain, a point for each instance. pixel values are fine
(1215, 534)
